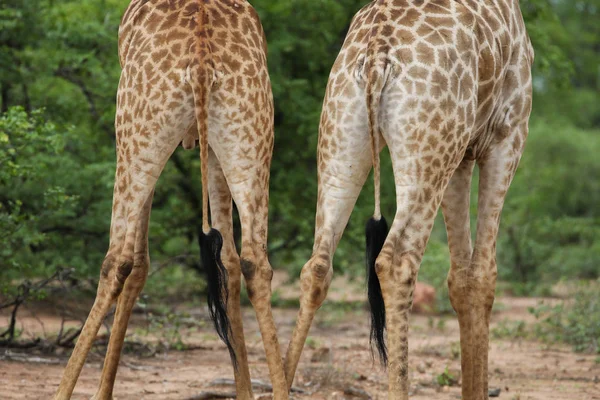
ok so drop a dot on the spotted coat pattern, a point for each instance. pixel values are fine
(444, 84)
(194, 72)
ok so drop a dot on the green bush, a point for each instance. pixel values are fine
(30, 200)
(56, 192)
(551, 222)
(576, 322)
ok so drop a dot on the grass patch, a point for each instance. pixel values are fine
(446, 378)
(507, 329)
(575, 322)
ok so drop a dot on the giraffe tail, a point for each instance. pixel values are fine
(377, 228)
(211, 240)
(376, 232)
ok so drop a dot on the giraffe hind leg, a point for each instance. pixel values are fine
(258, 275)
(344, 164)
(249, 190)
(131, 289)
(221, 219)
(456, 209)
(118, 265)
(472, 282)
(135, 181)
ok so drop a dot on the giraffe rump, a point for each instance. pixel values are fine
(211, 244)
(376, 232)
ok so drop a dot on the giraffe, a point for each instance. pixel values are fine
(193, 72)
(444, 84)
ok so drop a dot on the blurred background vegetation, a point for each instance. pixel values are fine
(58, 78)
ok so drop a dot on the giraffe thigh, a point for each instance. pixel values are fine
(344, 162)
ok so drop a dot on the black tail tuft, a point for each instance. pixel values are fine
(210, 251)
(376, 232)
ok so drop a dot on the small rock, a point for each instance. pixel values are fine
(357, 392)
(495, 392)
(421, 368)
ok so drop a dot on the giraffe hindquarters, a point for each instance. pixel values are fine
(472, 280)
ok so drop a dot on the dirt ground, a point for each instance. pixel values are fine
(335, 365)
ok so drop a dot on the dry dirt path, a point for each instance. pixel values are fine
(337, 359)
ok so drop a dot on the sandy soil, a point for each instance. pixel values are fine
(336, 362)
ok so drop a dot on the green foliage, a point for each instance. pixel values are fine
(57, 165)
(547, 34)
(300, 58)
(566, 35)
(30, 202)
(575, 322)
(446, 378)
(508, 329)
(455, 350)
(550, 225)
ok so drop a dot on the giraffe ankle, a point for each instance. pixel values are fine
(470, 288)
(115, 271)
(258, 281)
(315, 280)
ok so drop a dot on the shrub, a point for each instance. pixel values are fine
(575, 322)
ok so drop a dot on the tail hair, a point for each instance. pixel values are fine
(376, 233)
(211, 244)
